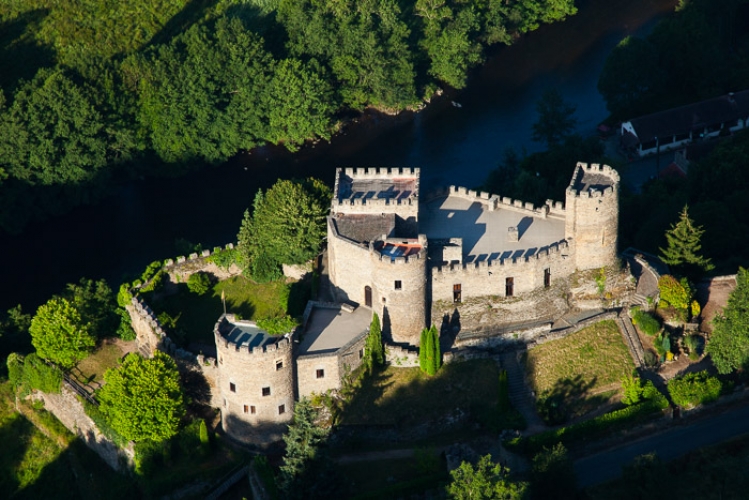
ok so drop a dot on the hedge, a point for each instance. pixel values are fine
(589, 429)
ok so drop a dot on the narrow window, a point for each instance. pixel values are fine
(368, 296)
(266, 391)
(361, 353)
(279, 365)
(225, 403)
(398, 284)
(509, 287)
(246, 409)
(320, 373)
(252, 410)
(547, 277)
(232, 387)
(457, 293)
(282, 409)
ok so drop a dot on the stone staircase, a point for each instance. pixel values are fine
(520, 394)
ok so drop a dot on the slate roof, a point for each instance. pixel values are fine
(364, 227)
(695, 116)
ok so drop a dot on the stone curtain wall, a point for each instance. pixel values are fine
(184, 267)
(486, 278)
(69, 410)
(251, 371)
(150, 337)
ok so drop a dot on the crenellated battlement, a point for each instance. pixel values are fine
(551, 252)
(415, 249)
(493, 202)
(273, 349)
(380, 173)
(593, 181)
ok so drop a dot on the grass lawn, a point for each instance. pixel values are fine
(33, 465)
(585, 367)
(407, 396)
(90, 371)
(195, 315)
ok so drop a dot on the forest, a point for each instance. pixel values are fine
(96, 91)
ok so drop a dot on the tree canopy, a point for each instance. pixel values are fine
(375, 350)
(430, 356)
(156, 87)
(59, 333)
(142, 399)
(287, 226)
(555, 121)
(729, 342)
(485, 481)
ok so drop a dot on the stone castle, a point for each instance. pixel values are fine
(398, 254)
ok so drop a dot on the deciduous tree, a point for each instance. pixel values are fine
(485, 481)
(142, 399)
(59, 333)
(729, 342)
(555, 121)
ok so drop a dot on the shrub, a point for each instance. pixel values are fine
(693, 343)
(156, 282)
(676, 293)
(199, 283)
(695, 309)
(151, 271)
(15, 368)
(277, 326)
(650, 359)
(38, 375)
(646, 322)
(124, 296)
(223, 258)
(694, 389)
(601, 281)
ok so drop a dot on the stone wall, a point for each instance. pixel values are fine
(401, 357)
(406, 208)
(69, 410)
(489, 277)
(180, 270)
(592, 220)
(244, 376)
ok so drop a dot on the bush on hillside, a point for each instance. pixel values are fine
(646, 322)
(199, 283)
(694, 389)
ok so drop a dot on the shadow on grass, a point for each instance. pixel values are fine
(567, 398)
(407, 398)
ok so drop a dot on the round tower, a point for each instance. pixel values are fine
(255, 379)
(592, 215)
(399, 280)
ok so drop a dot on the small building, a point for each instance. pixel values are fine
(675, 128)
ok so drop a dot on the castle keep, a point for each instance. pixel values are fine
(397, 254)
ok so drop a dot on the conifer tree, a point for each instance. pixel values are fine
(436, 352)
(375, 353)
(683, 248)
(423, 350)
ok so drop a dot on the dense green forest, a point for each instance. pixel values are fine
(93, 91)
(700, 52)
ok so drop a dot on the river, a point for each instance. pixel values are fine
(142, 220)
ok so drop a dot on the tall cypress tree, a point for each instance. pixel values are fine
(683, 248)
(436, 352)
(375, 350)
(423, 350)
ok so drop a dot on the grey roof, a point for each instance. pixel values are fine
(394, 188)
(246, 334)
(364, 227)
(330, 328)
(695, 116)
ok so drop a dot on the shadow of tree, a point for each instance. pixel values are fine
(17, 46)
(567, 398)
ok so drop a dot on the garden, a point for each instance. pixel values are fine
(579, 373)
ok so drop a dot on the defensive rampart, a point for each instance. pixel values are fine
(493, 202)
(490, 277)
